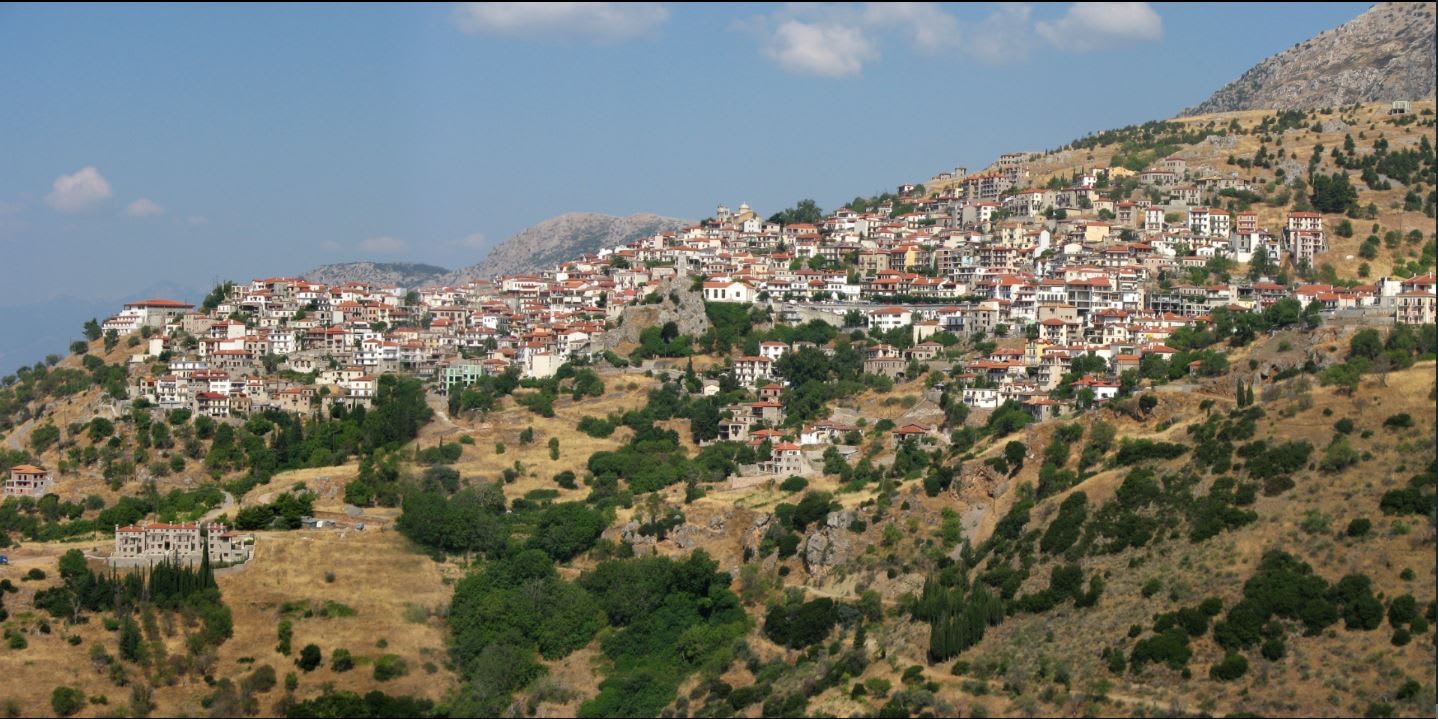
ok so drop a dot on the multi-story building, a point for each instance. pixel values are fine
(182, 542)
(27, 480)
(1303, 236)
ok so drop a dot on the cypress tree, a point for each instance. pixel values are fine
(207, 575)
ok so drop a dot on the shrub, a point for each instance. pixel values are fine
(1400, 420)
(310, 658)
(341, 660)
(67, 700)
(1064, 530)
(1170, 647)
(794, 484)
(1359, 527)
(286, 632)
(390, 666)
(799, 625)
(1402, 610)
(597, 428)
(1150, 588)
(1232, 667)
(259, 681)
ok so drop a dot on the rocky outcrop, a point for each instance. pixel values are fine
(678, 304)
(1387, 53)
(558, 239)
(563, 238)
(830, 545)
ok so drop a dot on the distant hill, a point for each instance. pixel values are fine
(1385, 54)
(550, 242)
(404, 274)
(564, 238)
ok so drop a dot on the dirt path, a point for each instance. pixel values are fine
(17, 438)
(224, 507)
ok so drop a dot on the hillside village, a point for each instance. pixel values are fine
(808, 463)
(1111, 263)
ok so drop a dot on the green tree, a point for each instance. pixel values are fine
(805, 211)
(310, 658)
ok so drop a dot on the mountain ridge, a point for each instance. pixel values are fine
(563, 237)
(1384, 54)
(559, 238)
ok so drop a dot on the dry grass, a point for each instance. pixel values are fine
(376, 573)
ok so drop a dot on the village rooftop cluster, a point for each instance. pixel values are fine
(985, 254)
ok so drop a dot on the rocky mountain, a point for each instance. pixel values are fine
(404, 274)
(564, 238)
(1387, 53)
(555, 240)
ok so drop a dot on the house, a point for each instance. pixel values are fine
(27, 480)
(826, 432)
(890, 318)
(1415, 306)
(884, 359)
(771, 392)
(924, 351)
(728, 291)
(773, 350)
(911, 433)
(786, 459)
(1102, 389)
(751, 369)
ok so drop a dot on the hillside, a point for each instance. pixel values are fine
(1271, 151)
(1385, 54)
(563, 238)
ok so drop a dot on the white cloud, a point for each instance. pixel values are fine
(383, 245)
(144, 207)
(823, 48)
(1004, 35)
(1098, 25)
(926, 24)
(331, 246)
(80, 191)
(598, 21)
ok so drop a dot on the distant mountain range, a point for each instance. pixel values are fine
(550, 242)
(1385, 54)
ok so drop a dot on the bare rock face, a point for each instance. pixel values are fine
(829, 545)
(563, 238)
(688, 314)
(754, 535)
(1387, 53)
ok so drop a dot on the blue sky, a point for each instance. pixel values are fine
(145, 145)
